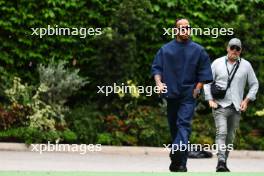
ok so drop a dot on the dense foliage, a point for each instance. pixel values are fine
(132, 32)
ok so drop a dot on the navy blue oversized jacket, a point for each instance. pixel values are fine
(182, 65)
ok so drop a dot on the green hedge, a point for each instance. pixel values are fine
(132, 34)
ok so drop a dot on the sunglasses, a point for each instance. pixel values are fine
(234, 47)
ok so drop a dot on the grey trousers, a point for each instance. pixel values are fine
(226, 123)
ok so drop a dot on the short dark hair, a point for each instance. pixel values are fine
(178, 19)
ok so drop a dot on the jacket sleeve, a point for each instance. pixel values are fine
(204, 73)
(157, 65)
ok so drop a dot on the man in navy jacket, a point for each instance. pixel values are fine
(182, 66)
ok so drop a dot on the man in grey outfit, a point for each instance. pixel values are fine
(227, 111)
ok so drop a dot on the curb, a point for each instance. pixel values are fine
(133, 150)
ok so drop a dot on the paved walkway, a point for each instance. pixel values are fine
(115, 161)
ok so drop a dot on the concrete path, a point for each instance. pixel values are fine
(114, 160)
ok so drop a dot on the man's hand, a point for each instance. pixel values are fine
(196, 93)
(213, 104)
(244, 105)
(161, 86)
(159, 83)
(197, 90)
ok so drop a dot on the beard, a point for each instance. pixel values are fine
(233, 56)
(184, 37)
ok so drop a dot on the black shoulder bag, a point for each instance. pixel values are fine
(220, 92)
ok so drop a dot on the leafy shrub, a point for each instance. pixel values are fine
(144, 125)
(14, 115)
(19, 93)
(44, 116)
(127, 45)
(6, 80)
(56, 84)
(68, 136)
(60, 82)
(33, 135)
(85, 121)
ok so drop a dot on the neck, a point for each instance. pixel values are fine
(231, 60)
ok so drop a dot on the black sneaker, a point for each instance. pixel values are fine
(182, 169)
(227, 170)
(175, 168)
(176, 159)
(221, 167)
